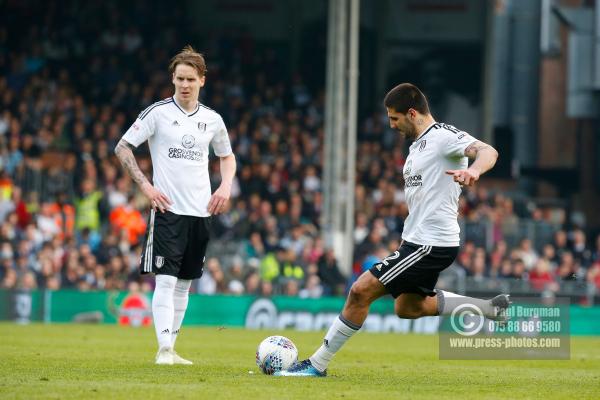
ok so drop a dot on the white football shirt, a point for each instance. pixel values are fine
(431, 195)
(179, 146)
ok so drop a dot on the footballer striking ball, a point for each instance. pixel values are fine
(276, 353)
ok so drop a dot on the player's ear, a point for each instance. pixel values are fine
(173, 78)
(202, 80)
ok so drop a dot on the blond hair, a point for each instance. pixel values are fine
(191, 57)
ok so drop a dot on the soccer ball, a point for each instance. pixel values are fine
(276, 353)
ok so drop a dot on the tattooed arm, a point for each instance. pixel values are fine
(124, 152)
(485, 157)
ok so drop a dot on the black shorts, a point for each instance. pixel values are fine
(175, 245)
(413, 268)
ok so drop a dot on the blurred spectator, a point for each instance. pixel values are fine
(252, 283)
(593, 275)
(235, 288)
(213, 280)
(88, 207)
(270, 267)
(266, 289)
(560, 245)
(10, 279)
(478, 271)
(313, 288)
(549, 254)
(519, 271)
(331, 278)
(498, 254)
(541, 276)
(527, 253)
(581, 253)
(234, 276)
(361, 228)
(291, 288)
(27, 281)
(566, 268)
(290, 269)
(129, 219)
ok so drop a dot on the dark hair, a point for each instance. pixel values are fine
(405, 96)
(190, 57)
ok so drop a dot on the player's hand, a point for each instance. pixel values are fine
(464, 177)
(158, 200)
(218, 201)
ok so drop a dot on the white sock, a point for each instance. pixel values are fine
(448, 302)
(340, 331)
(180, 303)
(162, 309)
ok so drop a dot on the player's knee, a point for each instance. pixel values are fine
(166, 282)
(360, 293)
(183, 286)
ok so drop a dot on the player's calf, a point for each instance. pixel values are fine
(412, 306)
(409, 312)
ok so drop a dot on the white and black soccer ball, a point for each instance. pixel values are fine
(276, 353)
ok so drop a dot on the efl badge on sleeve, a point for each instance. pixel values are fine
(160, 261)
(202, 126)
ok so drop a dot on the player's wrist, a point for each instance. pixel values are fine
(475, 171)
(146, 186)
(227, 183)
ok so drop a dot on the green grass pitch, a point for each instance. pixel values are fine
(111, 362)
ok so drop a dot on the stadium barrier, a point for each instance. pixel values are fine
(278, 312)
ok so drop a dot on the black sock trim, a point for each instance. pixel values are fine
(349, 324)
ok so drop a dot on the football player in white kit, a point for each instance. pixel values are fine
(436, 167)
(179, 130)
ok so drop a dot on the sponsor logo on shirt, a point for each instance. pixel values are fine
(407, 168)
(186, 154)
(413, 181)
(188, 141)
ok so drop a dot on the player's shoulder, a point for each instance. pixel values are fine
(442, 127)
(208, 112)
(155, 106)
(443, 132)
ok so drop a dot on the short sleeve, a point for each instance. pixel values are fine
(220, 141)
(141, 130)
(456, 143)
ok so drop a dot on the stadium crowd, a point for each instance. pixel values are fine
(71, 218)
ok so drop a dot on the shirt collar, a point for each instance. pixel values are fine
(425, 132)
(183, 111)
